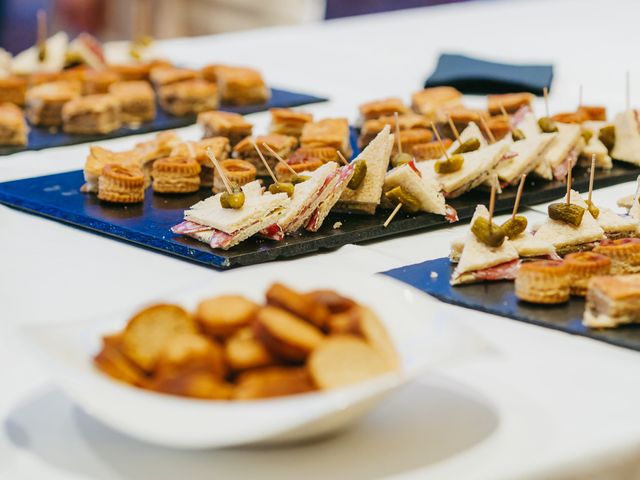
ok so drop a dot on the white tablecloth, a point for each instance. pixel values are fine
(540, 404)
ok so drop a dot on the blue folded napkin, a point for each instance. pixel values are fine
(473, 76)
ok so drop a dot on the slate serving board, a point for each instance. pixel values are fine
(40, 138)
(499, 298)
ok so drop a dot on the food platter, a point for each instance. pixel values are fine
(498, 298)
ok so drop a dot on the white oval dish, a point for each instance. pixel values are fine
(422, 337)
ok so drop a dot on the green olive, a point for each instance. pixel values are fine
(450, 165)
(398, 195)
(232, 200)
(515, 226)
(570, 214)
(282, 187)
(467, 146)
(359, 172)
(547, 125)
(517, 135)
(488, 233)
(593, 210)
(299, 179)
(587, 134)
(607, 136)
(400, 159)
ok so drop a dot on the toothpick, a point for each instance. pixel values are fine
(516, 205)
(506, 116)
(435, 130)
(635, 197)
(393, 214)
(280, 159)
(489, 133)
(42, 35)
(453, 128)
(395, 116)
(569, 178)
(545, 91)
(192, 150)
(592, 174)
(220, 171)
(628, 91)
(580, 97)
(492, 198)
(341, 157)
(273, 177)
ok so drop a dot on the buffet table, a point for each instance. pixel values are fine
(525, 401)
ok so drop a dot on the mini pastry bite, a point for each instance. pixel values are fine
(99, 157)
(281, 144)
(132, 71)
(499, 126)
(241, 86)
(199, 151)
(287, 121)
(616, 226)
(166, 75)
(298, 162)
(13, 127)
(624, 254)
(238, 173)
(225, 124)
(596, 113)
(383, 108)
(137, 101)
(224, 315)
(411, 137)
(44, 102)
(210, 72)
(434, 102)
(93, 114)
(624, 135)
(430, 150)
(562, 153)
(545, 282)
(121, 184)
(364, 196)
(582, 266)
(612, 301)
(13, 89)
(160, 146)
(188, 97)
(328, 132)
(462, 117)
(98, 81)
(221, 222)
(406, 121)
(325, 154)
(175, 175)
(511, 102)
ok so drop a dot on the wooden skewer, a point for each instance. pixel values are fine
(192, 150)
(592, 175)
(506, 116)
(273, 177)
(42, 35)
(628, 91)
(516, 205)
(341, 157)
(393, 214)
(569, 178)
(395, 116)
(545, 91)
(213, 158)
(492, 198)
(435, 130)
(487, 130)
(580, 96)
(280, 159)
(637, 195)
(453, 128)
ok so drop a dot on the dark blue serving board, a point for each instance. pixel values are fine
(40, 138)
(499, 298)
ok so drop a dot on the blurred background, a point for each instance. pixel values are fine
(113, 19)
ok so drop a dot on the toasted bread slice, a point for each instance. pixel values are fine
(301, 305)
(331, 299)
(114, 363)
(191, 352)
(285, 335)
(196, 384)
(375, 333)
(221, 316)
(243, 351)
(272, 382)
(149, 331)
(344, 360)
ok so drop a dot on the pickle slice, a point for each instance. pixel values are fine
(547, 125)
(467, 146)
(607, 136)
(586, 135)
(488, 233)
(570, 214)
(400, 159)
(300, 179)
(453, 164)
(398, 195)
(282, 187)
(517, 135)
(359, 172)
(232, 200)
(515, 226)
(593, 210)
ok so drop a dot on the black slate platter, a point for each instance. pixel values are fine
(40, 138)
(499, 298)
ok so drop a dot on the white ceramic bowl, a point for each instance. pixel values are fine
(421, 335)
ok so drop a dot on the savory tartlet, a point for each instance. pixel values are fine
(161, 76)
(199, 151)
(624, 254)
(328, 132)
(612, 301)
(383, 108)
(238, 173)
(287, 121)
(326, 154)
(582, 266)
(137, 100)
(13, 127)
(225, 124)
(179, 174)
(281, 144)
(13, 89)
(241, 86)
(121, 184)
(409, 138)
(93, 114)
(98, 81)
(544, 281)
(431, 150)
(434, 102)
(188, 97)
(45, 102)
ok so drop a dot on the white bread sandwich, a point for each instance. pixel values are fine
(480, 262)
(526, 122)
(86, 49)
(471, 131)
(531, 249)
(525, 156)
(567, 238)
(616, 226)
(335, 190)
(27, 62)
(424, 190)
(208, 222)
(366, 197)
(594, 146)
(627, 144)
(562, 152)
